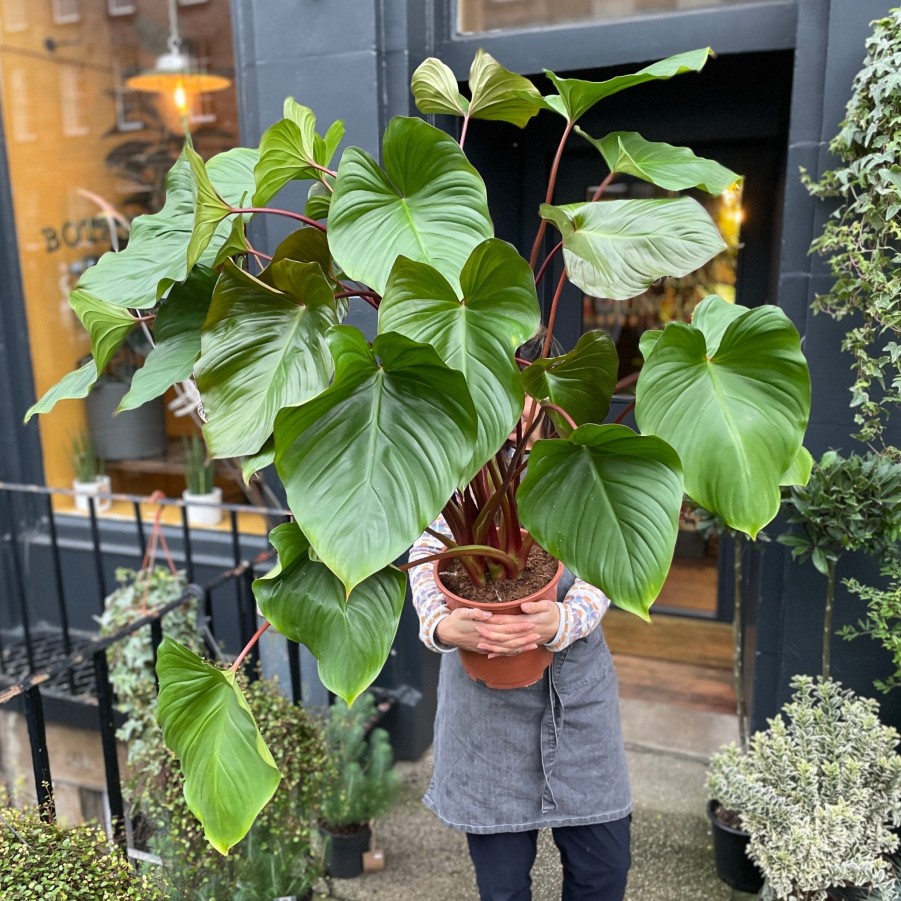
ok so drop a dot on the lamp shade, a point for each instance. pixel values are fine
(177, 70)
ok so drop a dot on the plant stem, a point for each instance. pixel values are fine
(629, 408)
(546, 263)
(289, 213)
(463, 131)
(738, 663)
(470, 550)
(248, 647)
(602, 187)
(549, 196)
(549, 406)
(827, 617)
(549, 337)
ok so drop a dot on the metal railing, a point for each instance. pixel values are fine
(43, 652)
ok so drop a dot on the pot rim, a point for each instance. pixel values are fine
(712, 817)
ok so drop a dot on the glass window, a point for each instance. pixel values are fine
(105, 151)
(120, 7)
(486, 15)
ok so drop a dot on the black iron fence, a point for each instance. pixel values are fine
(58, 567)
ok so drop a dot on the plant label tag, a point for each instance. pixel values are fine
(373, 861)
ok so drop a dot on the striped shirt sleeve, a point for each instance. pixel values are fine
(580, 611)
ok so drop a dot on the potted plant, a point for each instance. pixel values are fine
(373, 440)
(361, 787)
(203, 499)
(90, 479)
(818, 791)
(41, 860)
(849, 503)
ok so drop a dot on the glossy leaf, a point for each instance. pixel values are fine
(618, 248)
(581, 381)
(606, 502)
(176, 331)
(428, 204)
(476, 335)
(229, 773)
(668, 167)
(107, 324)
(319, 202)
(261, 350)
(235, 244)
(369, 463)
(434, 89)
(734, 407)
(291, 150)
(576, 96)
(72, 386)
(498, 94)
(798, 473)
(209, 208)
(253, 463)
(306, 245)
(156, 255)
(350, 636)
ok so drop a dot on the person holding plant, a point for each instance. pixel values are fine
(509, 762)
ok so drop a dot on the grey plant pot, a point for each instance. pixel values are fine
(131, 435)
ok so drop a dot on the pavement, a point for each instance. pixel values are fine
(667, 747)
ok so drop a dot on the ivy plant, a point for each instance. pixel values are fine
(373, 439)
(861, 237)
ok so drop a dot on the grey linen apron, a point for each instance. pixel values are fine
(547, 755)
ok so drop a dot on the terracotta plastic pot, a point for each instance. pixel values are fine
(733, 865)
(503, 672)
(345, 851)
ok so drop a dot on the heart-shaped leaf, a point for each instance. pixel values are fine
(434, 89)
(261, 350)
(156, 255)
(291, 150)
(209, 208)
(606, 502)
(668, 167)
(351, 635)
(370, 462)
(229, 773)
(72, 386)
(176, 331)
(477, 335)
(106, 323)
(618, 248)
(576, 96)
(736, 414)
(498, 94)
(428, 204)
(581, 381)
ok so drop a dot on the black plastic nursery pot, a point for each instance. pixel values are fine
(345, 851)
(733, 865)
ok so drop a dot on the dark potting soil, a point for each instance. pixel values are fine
(728, 818)
(540, 569)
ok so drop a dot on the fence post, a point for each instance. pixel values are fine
(40, 760)
(110, 755)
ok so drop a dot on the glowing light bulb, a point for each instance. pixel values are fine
(180, 97)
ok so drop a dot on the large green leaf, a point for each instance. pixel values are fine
(350, 635)
(669, 167)
(176, 331)
(156, 255)
(434, 89)
(576, 96)
(428, 204)
(262, 349)
(72, 386)
(619, 248)
(209, 209)
(798, 473)
(498, 94)
(370, 462)
(477, 335)
(606, 502)
(734, 406)
(229, 773)
(291, 150)
(581, 381)
(106, 323)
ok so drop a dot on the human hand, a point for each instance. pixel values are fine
(459, 628)
(540, 618)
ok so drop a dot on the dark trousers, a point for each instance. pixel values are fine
(596, 861)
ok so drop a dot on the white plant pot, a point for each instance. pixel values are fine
(83, 490)
(203, 509)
